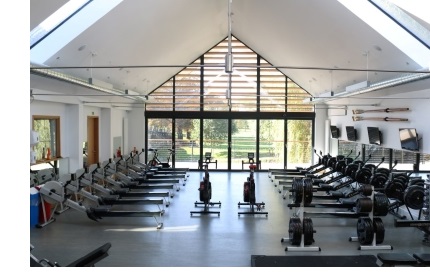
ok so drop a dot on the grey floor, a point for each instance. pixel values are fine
(227, 240)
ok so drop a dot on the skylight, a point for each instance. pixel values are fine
(66, 30)
(55, 20)
(418, 8)
(388, 28)
(407, 15)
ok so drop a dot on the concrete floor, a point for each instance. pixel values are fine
(207, 240)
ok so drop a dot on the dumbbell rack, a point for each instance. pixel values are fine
(373, 246)
(302, 246)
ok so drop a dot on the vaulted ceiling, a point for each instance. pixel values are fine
(321, 45)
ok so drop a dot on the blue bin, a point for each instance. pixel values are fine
(34, 206)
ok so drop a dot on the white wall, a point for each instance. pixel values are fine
(136, 129)
(54, 109)
(73, 126)
(418, 117)
(74, 114)
(320, 135)
(73, 136)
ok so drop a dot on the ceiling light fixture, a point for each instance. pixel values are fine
(229, 57)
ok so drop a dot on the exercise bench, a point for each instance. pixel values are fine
(404, 259)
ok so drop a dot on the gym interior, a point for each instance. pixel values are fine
(258, 134)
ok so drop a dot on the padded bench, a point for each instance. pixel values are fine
(404, 259)
(423, 258)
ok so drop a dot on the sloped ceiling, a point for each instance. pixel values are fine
(289, 34)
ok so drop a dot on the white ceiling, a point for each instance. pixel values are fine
(287, 33)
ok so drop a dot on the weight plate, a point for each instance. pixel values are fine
(297, 191)
(403, 177)
(365, 230)
(378, 227)
(414, 197)
(308, 231)
(340, 165)
(394, 189)
(308, 190)
(340, 157)
(380, 204)
(325, 160)
(383, 171)
(364, 205)
(417, 182)
(363, 176)
(366, 189)
(349, 160)
(331, 162)
(378, 180)
(350, 170)
(295, 231)
(371, 167)
(359, 163)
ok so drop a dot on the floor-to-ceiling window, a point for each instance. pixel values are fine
(159, 138)
(272, 147)
(187, 141)
(205, 109)
(215, 141)
(244, 141)
(299, 143)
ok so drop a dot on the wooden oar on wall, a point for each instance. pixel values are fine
(360, 118)
(386, 110)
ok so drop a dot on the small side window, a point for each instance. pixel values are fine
(48, 128)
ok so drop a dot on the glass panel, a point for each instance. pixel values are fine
(244, 80)
(299, 143)
(405, 160)
(187, 89)
(272, 89)
(160, 138)
(215, 80)
(215, 138)
(377, 153)
(55, 20)
(187, 149)
(350, 149)
(425, 162)
(389, 29)
(187, 92)
(244, 141)
(47, 129)
(272, 144)
(65, 28)
(162, 99)
(296, 95)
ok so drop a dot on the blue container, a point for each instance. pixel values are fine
(34, 206)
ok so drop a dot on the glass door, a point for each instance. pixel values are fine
(215, 143)
(160, 138)
(299, 143)
(244, 142)
(187, 143)
(272, 144)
